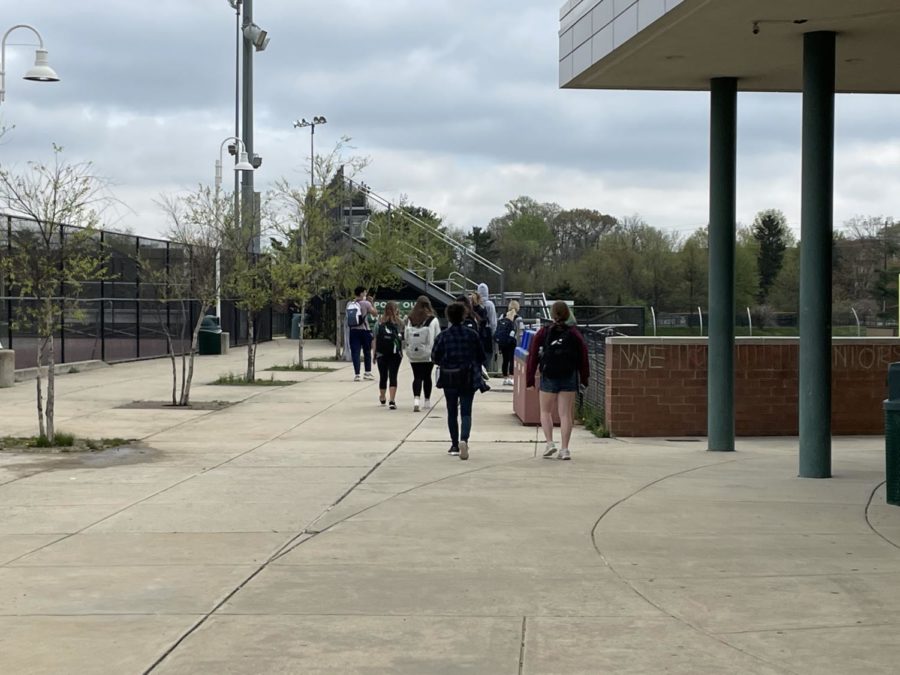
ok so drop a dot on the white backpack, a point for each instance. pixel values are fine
(419, 342)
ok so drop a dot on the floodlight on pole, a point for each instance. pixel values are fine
(39, 72)
(256, 36)
(300, 124)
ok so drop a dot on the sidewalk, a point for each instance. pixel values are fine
(306, 529)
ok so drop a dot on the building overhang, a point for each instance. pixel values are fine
(683, 44)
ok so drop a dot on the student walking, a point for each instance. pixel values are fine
(389, 352)
(484, 330)
(561, 353)
(358, 311)
(471, 321)
(509, 330)
(459, 355)
(422, 329)
(490, 311)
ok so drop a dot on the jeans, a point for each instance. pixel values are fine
(361, 339)
(422, 378)
(388, 366)
(459, 403)
(508, 353)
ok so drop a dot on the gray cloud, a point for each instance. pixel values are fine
(456, 101)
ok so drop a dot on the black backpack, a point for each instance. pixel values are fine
(388, 339)
(505, 335)
(560, 355)
(484, 328)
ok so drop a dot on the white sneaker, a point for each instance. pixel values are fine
(416, 405)
(463, 450)
(564, 454)
(427, 405)
(356, 378)
(484, 373)
(550, 450)
(369, 376)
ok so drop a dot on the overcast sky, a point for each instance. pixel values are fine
(456, 102)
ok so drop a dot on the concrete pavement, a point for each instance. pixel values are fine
(308, 530)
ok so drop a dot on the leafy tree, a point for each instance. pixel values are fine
(483, 243)
(248, 280)
(773, 236)
(785, 292)
(577, 230)
(746, 269)
(52, 257)
(693, 266)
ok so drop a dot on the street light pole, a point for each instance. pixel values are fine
(301, 123)
(40, 72)
(242, 164)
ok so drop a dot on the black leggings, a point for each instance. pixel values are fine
(508, 353)
(422, 378)
(388, 366)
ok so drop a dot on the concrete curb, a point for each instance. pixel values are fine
(26, 374)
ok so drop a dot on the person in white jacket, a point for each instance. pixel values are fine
(422, 328)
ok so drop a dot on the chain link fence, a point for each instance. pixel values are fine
(125, 317)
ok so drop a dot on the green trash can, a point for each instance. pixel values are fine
(209, 340)
(295, 327)
(892, 436)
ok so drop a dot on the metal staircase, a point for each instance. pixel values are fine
(359, 222)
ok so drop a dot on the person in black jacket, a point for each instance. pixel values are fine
(458, 353)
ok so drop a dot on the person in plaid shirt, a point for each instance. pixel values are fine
(458, 353)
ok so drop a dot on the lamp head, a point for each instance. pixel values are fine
(243, 163)
(41, 71)
(256, 36)
(319, 120)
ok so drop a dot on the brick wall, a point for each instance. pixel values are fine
(657, 386)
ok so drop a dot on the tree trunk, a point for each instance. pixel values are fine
(51, 393)
(195, 340)
(171, 346)
(300, 341)
(251, 351)
(42, 430)
(338, 326)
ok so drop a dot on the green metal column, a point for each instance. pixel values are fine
(722, 210)
(815, 254)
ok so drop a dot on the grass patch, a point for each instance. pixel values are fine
(593, 421)
(233, 380)
(299, 367)
(63, 442)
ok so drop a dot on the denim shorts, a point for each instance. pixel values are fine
(554, 385)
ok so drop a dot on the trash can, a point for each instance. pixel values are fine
(209, 340)
(892, 436)
(526, 402)
(295, 326)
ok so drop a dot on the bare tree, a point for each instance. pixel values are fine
(53, 251)
(196, 222)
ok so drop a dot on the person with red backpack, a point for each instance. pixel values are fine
(561, 353)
